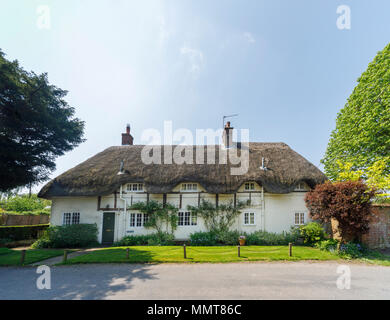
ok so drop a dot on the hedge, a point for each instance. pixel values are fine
(27, 213)
(17, 233)
(69, 236)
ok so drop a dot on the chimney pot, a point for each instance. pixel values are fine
(127, 138)
(228, 135)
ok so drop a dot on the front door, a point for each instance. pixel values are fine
(108, 227)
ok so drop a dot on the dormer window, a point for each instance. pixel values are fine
(189, 187)
(301, 186)
(249, 186)
(135, 187)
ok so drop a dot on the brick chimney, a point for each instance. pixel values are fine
(127, 138)
(227, 136)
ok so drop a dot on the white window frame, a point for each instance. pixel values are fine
(69, 218)
(301, 186)
(249, 186)
(137, 219)
(189, 187)
(187, 219)
(135, 187)
(299, 218)
(248, 216)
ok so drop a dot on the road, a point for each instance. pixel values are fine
(279, 280)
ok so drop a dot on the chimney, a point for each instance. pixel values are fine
(227, 136)
(127, 138)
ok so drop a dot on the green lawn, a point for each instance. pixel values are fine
(201, 254)
(9, 257)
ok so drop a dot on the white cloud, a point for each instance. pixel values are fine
(194, 56)
(249, 37)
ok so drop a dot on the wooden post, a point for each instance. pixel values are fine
(23, 255)
(65, 256)
(290, 249)
(127, 253)
(185, 251)
(239, 251)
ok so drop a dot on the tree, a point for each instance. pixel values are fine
(349, 203)
(374, 176)
(362, 134)
(36, 126)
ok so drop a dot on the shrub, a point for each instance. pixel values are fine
(154, 239)
(229, 238)
(203, 239)
(349, 203)
(263, 238)
(327, 245)
(257, 238)
(17, 233)
(24, 203)
(312, 233)
(351, 250)
(71, 236)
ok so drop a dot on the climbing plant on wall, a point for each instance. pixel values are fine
(217, 218)
(160, 215)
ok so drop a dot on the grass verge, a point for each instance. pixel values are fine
(201, 254)
(9, 257)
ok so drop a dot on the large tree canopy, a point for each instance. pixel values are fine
(36, 126)
(362, 134)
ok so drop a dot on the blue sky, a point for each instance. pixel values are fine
(284, 66)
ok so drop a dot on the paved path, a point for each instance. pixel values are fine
(281, 280)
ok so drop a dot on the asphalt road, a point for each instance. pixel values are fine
(285, 280)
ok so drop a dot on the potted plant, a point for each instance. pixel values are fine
(241, 239)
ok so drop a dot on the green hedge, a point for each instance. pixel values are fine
(17, 233)
(154, 239)
(257, 238)
(71, 236)
(27, 213)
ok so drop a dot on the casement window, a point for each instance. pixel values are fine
(135, 187)
(299, 218)
(187, 219)
(249, 219)
(138, 219)
(189, 187)
(69, 218)
(300, 187)
(249, 186)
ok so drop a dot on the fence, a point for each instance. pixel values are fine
(23, 220)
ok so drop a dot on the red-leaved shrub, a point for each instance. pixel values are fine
(349, 203)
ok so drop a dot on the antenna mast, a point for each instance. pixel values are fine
(225, 117)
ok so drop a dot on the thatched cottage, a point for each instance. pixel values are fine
(101, 189)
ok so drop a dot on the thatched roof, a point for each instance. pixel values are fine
(98, 175)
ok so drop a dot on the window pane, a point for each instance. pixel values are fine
(140, 187)
(146, 218)
(181, 219)
(66, 219)
(132, 220)
(139, 219)
(194, 187)
(252, 218)
(76, 218)
(246, 218)
(302, 218)
(187, 219)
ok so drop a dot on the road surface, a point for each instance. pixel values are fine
(279, 280)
